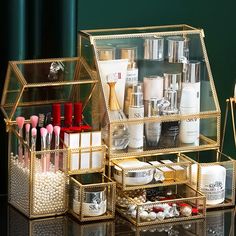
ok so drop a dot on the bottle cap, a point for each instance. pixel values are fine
(172, 81)
(154, 48)
(153, 108)
(136, 100)
(189, 98)
(176, 50)
(106, 53)
(129, 53)
(191, 72)
(137, 88)
(171, 96)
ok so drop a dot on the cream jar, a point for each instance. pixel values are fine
(134, 177)
(94, 202)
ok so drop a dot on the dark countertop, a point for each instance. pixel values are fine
(13, 223)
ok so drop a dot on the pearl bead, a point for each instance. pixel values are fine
(152, 215)
(144, 215)
(160, 215)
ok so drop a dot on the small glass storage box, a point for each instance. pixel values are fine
(161, 205)
(213, 174)
(150, 171)
(38, 173)
(92, 197)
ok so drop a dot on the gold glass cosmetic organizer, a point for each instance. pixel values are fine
(31, 87)
(102, 46)
(90, 42)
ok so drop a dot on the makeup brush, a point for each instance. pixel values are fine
(33, 139)
(34, 121)
(48, 144)
(57, 130)
(43, 133)
(20, 122)
(27, 138)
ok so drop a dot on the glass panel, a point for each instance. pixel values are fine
(137, 30)
(48, 72)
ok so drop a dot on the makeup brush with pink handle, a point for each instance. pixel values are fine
(27, 138)
(48, 144)
(57, 130)
(20, 123)
(33, 139)
(43, 133)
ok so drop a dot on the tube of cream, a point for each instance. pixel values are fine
(110, 67)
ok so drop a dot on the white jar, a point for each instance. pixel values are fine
(212, 183)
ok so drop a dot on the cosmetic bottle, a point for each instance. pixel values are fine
(154, 48)
(153, 88)
(106, 53)
(176, 49)
(153, 129)
(119, 133)
(189, 129)
(129, 53)
(173, 81)
(170, 130)
(136, 110)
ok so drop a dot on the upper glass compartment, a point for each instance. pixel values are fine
(32, 86)
(154, 79)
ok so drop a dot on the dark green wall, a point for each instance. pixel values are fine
(42, 28)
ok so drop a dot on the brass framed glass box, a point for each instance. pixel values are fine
(213, 174)
(161, 205)
(158, 90)
(92, 197)
(150, 171)
(37, 102)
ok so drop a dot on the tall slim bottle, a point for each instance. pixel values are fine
(129, 53)
(119, 132)
(136, 110)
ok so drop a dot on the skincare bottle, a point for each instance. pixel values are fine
(189, 128)
(153, 88)
(177, 50)
(191, 77)
(173, 81)
(119, 132)
(129, 53)
(106, 53)
(136, 110)
(170, 129)
(153, 129)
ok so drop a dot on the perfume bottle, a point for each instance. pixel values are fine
(170, 130)
(136, 110)
(119, 133)
(153, 129)
(129, 53)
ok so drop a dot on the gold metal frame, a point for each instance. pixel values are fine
(229, 102)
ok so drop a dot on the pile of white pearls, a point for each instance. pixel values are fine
(19, 184)
(49, 188)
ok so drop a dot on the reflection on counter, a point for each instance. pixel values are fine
(218, 223)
